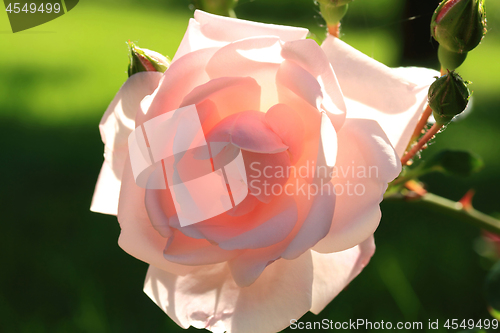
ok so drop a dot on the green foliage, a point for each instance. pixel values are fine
(453, 162)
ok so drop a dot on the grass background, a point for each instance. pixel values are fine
(60, 267)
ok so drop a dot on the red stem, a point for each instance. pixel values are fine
(423, 140)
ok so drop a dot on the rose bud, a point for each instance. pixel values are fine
(333, 10)
(448, 97)
(144, 60)
(459, 25)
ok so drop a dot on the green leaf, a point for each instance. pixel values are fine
(492, 287)
(454, 163)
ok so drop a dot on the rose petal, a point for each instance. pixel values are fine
(160, 206)
(246, 268)
(184, 250)
(244, 207)
(333, 271)
(308, 114)
(118, 121)
(366, 163)
(270, 303)
(209, 298)
(258, 58)
(137, 237)
(224, 228)
(266, 174)
(207, 30)
(115, 127)
(272, 231)
(229, 95)
(308, 55)
(301, 82)
(299, 101)
(107, 192)
(329, 143)
(286, 122)
(247, 130)
(179, 80)
(374, 91)
(316, 225)
(190, 230)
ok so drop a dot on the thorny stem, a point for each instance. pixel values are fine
(423, 140)
(464, 212)
(424, 119)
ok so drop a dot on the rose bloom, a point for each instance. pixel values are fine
(299, 237)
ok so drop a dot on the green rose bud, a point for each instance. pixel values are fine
(144, 60)
(448, 97)
(332, 14)
(459, 25)
(333, 11)
(218, 7)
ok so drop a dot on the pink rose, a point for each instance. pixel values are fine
(285, 103)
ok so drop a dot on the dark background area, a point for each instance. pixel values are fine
(61, 269)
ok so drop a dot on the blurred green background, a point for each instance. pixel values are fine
(61, 269)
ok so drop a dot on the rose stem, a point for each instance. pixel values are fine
(461, 211)
(423, 140)
(421, 125)
(334, 30)
(424, 119)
